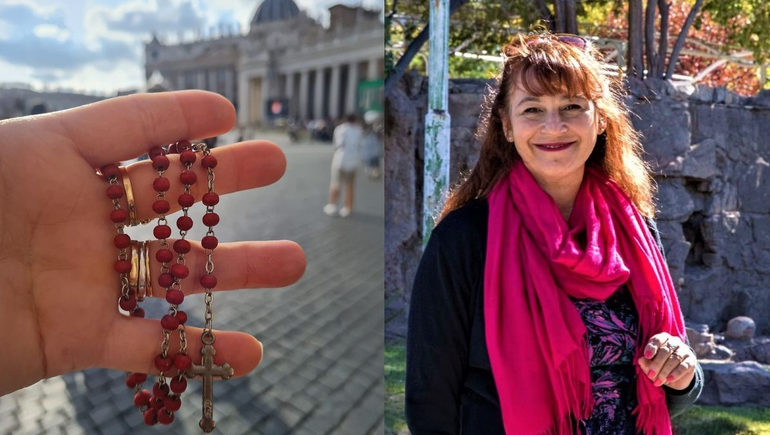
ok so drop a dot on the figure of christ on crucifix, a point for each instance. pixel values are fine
(207, 370)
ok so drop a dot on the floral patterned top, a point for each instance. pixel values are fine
(612, 332)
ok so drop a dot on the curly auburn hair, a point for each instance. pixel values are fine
(542, 64)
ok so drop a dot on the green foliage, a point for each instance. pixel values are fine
(395, 375)
(747, 23)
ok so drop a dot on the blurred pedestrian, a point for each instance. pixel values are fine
(346, 139)
(372, 144)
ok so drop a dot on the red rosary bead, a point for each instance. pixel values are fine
(210, 219)
(210, 198)
(160, 162)
(208, 281)
(110, 171)
(174, 297)
(183, 145)
(165, 416)
(182, 361)
(163, 364)
(142, 398)
(169, 323)
(182, 246)
(209, 161)
(122, 241)
(139, 377)
(155, 151)
(209, 242)
(119, 216)
(178, 384)
(172, 403)
(127, 304)
(187, 157)
(138, 312)
(164, 255)
(131, 381)
(161, 206)
(151, 417)
(161, 184)
(159, 390)
(186, 200)
(182, 317)
(180, 270)
(165, 280)
(188, 177)
(184, 223)
(162, 231)
(157, 402)
(114, 191)
(123, 266)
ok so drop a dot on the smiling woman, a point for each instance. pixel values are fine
(542, 303)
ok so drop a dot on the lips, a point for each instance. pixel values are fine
(555, 146)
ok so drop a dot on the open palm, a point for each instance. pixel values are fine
(58, 287)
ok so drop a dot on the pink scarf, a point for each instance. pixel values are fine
(535, 262)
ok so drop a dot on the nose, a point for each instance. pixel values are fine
(553, 122)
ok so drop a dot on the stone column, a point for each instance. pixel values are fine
(266, 95)
(289, 93)
(318, 104)
(201, 80)
(243, 99)
(352, 96)
(373, 69)
(229, 94)
(334, 93)
(304, 82)
(212, 79)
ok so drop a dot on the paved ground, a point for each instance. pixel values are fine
(322, 372)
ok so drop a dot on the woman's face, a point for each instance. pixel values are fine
(553, 134)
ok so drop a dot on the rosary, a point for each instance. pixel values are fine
(133, 266)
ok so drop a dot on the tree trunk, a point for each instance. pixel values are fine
(649, 38)
(571, 16)
(680, 39)
(413, 49)
(545, 14)
(663, 5)
(635, 66)
(561, 16)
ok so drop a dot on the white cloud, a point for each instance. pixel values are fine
(52, 32)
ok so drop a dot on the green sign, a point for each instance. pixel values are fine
(370, 95)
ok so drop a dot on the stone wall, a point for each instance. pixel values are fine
(709, 149)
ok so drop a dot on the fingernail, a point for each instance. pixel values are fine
(651, 374)
(658, 383)
(648, 354)
(669, 378)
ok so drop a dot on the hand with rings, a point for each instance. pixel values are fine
(58, 285)
(668, 361)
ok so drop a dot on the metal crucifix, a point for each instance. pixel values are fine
(208, 370)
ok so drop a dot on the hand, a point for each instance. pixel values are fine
(58, 288)
(667, 360)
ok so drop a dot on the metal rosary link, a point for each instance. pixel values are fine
(123, 252)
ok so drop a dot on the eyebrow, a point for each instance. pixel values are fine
(537, 99)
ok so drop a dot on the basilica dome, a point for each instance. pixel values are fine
(275, 10)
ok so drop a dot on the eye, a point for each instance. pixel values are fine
(573, 107)
(531, 110)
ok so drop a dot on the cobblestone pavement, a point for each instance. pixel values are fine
(322, 372)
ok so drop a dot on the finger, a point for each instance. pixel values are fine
(240, 167)
(685, 368)
(239, 265)
(671, 363)
(133, 343)
(662, 352)
(126, 127)
(655, 342)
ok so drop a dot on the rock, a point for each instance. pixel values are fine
(701, 160)
(754, 187)
(664, 147)
(700, 340)
(757, 350)
(741, 328)
(720, 352)
(674, 202)
(743, 383)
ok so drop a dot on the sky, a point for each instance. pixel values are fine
(97, 46)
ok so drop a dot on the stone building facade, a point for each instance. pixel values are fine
(709, 150)
(287, 65)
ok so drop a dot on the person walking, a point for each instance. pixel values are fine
(347, 149)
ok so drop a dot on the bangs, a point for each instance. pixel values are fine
(546, 71)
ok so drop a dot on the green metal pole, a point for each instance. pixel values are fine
(437, 120)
